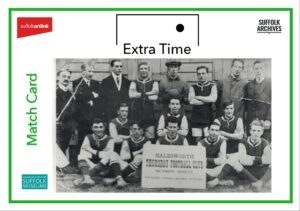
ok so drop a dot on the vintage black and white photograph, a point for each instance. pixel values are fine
(163, 125)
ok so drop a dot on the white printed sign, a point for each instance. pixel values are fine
(174, 167)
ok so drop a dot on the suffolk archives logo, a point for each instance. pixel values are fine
(269, 26)
(28, 26)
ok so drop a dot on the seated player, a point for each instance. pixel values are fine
(231, 130)
(119, 127)
(254, 163)
(255, 157)
(144, 92)
(172, 137)
(133, 149)
(96, 153)
(202, 95)
(174, 111)
(215, 154)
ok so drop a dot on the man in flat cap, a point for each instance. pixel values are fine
(172, 85)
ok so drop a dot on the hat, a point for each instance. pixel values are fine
(173, 63)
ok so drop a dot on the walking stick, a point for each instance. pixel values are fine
(69, 101)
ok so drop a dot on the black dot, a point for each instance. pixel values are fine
(180, 27)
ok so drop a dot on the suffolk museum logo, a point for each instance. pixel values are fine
(34, 181)
(33, 25)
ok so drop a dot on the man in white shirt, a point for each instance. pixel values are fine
(115, 90)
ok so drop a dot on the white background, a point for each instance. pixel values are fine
(222, 35)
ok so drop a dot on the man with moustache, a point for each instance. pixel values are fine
(64, 113)
(115, 90)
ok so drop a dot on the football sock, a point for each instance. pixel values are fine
(267, 176)
(115, 167)
(128, 170)
(84, 170)
(208, 177)
(225, 171)
(247, 175)
(94, 171)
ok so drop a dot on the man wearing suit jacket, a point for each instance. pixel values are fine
(87, 104)
(115, 89)
(64, 111)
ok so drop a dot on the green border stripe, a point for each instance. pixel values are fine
(9, 107)
(10, 200)
(291, 106)
(151, 9)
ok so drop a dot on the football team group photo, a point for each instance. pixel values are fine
(114, 115)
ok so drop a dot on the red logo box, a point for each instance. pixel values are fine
(33, 25)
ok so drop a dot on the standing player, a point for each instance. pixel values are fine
(172, 137)
(144, 91)
(95, 154)
(119, 127)
(172, 85)
(232, 129)
(174, 111)
(232, 88)
(201, 96)
(258, 99)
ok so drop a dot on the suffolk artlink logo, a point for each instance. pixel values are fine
(34, 181)
(32, 26)
(269, 26)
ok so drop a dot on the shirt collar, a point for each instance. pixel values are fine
(172, 140)
(176, 115)
(115, 76)
(137, 140)
(99, 139)
(173, 79)
(226, 119)
(64, 88)
(233, 77)
(144, 80)
(211, 142)
(86, 80)
(260, 80)
(203, 83)
(252, 143)
(121, 121)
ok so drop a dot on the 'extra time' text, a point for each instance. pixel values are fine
(162, 48)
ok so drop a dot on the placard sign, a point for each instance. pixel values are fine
(174, 167)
